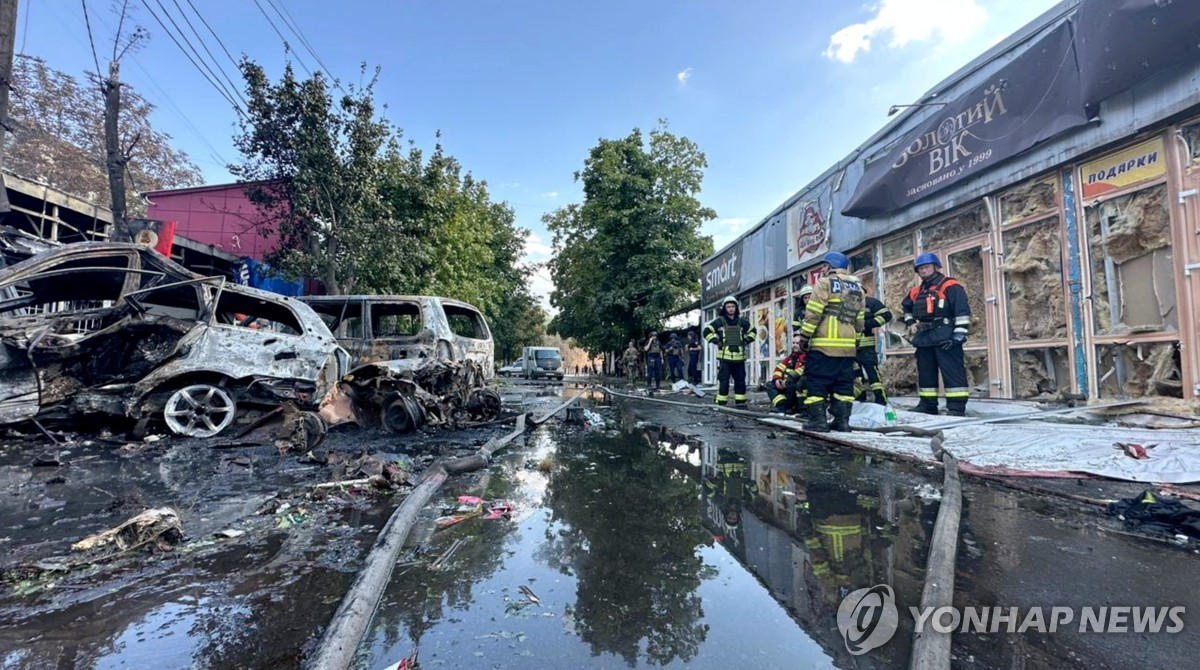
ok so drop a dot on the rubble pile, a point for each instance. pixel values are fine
(401, 396)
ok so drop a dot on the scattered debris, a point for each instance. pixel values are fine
(1134, 450)
(404, 395)
(928, 492)
(440, 562)
(159, 527)
(1157, 516)
(229, 533)
(529, 594)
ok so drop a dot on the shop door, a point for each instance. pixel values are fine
(973, 268)
(1188, 244)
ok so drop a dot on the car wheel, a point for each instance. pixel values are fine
(199, 410)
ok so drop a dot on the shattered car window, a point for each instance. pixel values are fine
(73, 286)
(180, 301)
(466, 322)
(236, 309)
(343, 319)
(396, 319)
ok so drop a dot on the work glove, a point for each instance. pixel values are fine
(955, 340)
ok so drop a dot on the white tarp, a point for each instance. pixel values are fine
(1041, 445)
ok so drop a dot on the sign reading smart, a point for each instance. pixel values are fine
(719, 276)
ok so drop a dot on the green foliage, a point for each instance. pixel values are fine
(631, 253)
(363, 215)
(57, 136)
(316, 167)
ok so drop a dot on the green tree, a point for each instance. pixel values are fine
(315, 167)
(57, 136)
(631, 253)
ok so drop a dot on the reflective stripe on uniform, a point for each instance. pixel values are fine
(833, 342)
(779, 400)
(843, 398)
(927, 393)
(958, 392)
(837, 534)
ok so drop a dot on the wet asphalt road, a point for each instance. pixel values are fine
(669, 537)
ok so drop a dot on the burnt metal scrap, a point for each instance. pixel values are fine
(117, 330)
(403, 395)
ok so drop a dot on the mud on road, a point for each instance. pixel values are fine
(263, 557)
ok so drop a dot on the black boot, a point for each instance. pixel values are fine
(880, 398)
(840, 409)
(954, 408)
(816, 421)
(927, 406)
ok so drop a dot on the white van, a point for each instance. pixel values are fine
(541, 362)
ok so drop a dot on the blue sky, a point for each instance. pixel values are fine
(773, 92)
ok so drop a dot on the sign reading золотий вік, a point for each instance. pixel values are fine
(1033, 98)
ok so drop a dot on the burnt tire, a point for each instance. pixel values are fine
(199, 410)
(401, 414)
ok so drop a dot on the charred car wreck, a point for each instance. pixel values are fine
(116, 330)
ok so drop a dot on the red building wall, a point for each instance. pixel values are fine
(219, 215)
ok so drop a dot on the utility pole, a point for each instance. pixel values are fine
(115, 159)
(8, 38)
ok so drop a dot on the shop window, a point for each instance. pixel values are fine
(1040, 373)
(1133, 275)
(1029, 200)
(781, 322)
(958, 227)
(901, 247)
(1139, 370)
(862, 261)
(899, 373)
(868, 283)
(967, 267)
(1191, 135)
(897, 281)
(978, 378)
(1034, 283)
(799, 282)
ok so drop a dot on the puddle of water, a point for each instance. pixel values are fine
(644, 552)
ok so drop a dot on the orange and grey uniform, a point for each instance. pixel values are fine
(877, 316)
(731, 334)
(939, 309)
(832, 323)
(791, 371)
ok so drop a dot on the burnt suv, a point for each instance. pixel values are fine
(118, 330)
(385, 328)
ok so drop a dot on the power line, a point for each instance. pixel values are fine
(91, 41)
(292, 25)
(234, 87)
(25, 30)
(215, 35)
(199, 69)
(204, 63)
(281, 37)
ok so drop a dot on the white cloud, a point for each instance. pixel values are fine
(550, 194)
(906, 21)
(684, 76)
(724, 231)
(536, 249)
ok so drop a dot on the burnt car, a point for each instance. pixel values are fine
(107, 329)
(382, 328)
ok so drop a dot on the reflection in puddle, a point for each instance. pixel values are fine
(644, 550)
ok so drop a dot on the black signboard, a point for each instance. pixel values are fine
(1122, 42)
(1033, 98)
(721, 276)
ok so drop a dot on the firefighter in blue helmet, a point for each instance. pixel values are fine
(938, 311)
(731, 332)
(829, 331)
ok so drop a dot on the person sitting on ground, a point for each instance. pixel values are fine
(786, 389)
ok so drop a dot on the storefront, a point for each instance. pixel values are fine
(1073, 232)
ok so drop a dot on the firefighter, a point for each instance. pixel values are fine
(787, 382)
(939, 312)
(731, 333)
(829, 333)
(877, 316)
